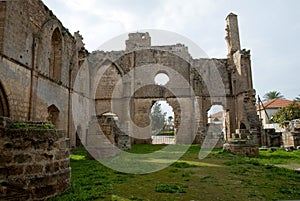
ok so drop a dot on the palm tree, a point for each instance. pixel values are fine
(297, 99)
(272, 95)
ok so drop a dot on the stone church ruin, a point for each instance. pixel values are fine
(43, 66)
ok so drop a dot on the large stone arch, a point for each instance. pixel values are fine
(140, 109)
(142, 95)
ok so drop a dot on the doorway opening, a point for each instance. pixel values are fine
(216, 121)
(162, 123)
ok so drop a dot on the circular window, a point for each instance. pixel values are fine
(161, 79)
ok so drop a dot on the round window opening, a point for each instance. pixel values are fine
(161, 79)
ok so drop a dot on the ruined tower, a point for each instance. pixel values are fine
(232, 34)
(138, 40)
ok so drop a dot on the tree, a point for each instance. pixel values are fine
(170, 119)
(288, 113)
(158, 117)
(297, 99)
(272, 95)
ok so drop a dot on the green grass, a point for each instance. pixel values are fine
(220, 176)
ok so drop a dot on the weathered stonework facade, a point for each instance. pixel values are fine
(238, 99)
(291, 135)
(40, 61)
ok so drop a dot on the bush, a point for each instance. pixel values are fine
(170, 188)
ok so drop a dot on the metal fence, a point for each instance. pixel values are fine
(163, 139)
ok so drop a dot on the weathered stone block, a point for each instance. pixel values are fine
(33, 170)
(22, 158)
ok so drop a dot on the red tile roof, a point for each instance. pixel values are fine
(275, 104)
(216, 115)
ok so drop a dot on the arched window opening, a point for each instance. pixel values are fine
(53, 115)
(162, 123)
(161, 79)
(56, 55)
(4, 109)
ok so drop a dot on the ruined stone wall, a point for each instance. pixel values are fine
(39, 62)
(16, 81)
(2, 23)
(291, 135)
(110, 128)
(34, 164)
(226, 82)
(26, 21)
(49, 94)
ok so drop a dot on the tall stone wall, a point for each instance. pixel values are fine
(34, 164)
(16, 82)
(39, 63)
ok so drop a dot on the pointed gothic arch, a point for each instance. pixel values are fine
(53, 115)
(56, 55)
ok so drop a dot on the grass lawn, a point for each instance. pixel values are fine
(220, 176)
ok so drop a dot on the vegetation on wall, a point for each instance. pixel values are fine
(29, 126)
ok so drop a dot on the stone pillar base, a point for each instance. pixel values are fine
(241, 147)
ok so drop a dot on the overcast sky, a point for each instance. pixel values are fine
(269, 28)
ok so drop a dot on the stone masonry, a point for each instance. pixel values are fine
(39, 62)
(238, 99)
(34, 163)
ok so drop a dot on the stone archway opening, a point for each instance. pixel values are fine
(162, 123)
(53, 115)
(216, 123)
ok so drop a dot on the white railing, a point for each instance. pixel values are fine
(163, 139)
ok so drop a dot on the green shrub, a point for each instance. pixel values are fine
(28, 126)
(182, 165)
(170, 188)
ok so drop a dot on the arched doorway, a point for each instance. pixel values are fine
(4, 108)
(216, 124)
(162, 123)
